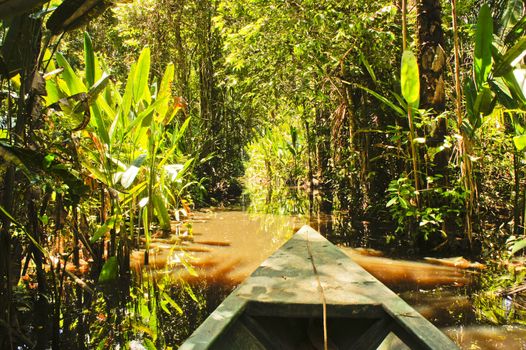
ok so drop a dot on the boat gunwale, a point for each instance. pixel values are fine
(401, 319)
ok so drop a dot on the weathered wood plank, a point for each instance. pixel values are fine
(239, 337)
(373, 337)
(286, 285)
(216, 325)
(270, 340)
(314, 310)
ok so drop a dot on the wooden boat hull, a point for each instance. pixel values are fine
(308, 293)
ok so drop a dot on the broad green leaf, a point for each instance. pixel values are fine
(503, 93)
(518, 84)
(166, 82)
(185, 168)
(109, 270)
(511, 58)
(98, 69)
(516, 32)
(391, 202)
(141, 75)
(383, 99)
(102, 130)
(143, 137)
(482, 60)
(484, 103)
(175, 142)
(161, 211)
(519, 245)
(410, 79)
(52, 90)
(172, 113)
(181, 130)
(129, 175)
(62, 87)
(49, 61)
(520, 142)
(101, 231)
(517, 126)
(165, 91)
(96, 88)
(144, 114)
(105, 108)
(127, 98)
(73, 82)
(470, 96)
(114, 123)
(89, 57)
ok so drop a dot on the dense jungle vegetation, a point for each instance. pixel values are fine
(120, 118)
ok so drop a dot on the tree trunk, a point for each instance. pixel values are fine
(432, 60)
(323, 154)
(182, 66)
(24, 59)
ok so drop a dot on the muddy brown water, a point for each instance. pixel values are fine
(221, 248)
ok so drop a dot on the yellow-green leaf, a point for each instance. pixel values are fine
(89, 57)
(482, 60)
(520, 142)
(142, 73)
(109, 270)
(410, 79)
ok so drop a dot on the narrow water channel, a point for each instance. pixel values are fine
(223, 247)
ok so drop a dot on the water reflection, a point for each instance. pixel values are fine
(223, 247)
(239, 242)
(213, 254)
(228, 245)
(488, 337)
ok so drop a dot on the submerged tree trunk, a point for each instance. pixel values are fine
(323, 155)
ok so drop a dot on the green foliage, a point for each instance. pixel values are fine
(274, 176)
(109, 270)
(499, 81)
(422, 222)
(483, 62)
(410, 79)
(517, 246)
(511, 58)
(291, 88)
(128, 149)
(493, 304)
(120, 145)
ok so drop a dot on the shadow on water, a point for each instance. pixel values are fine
(237, 242)
(191, 272)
